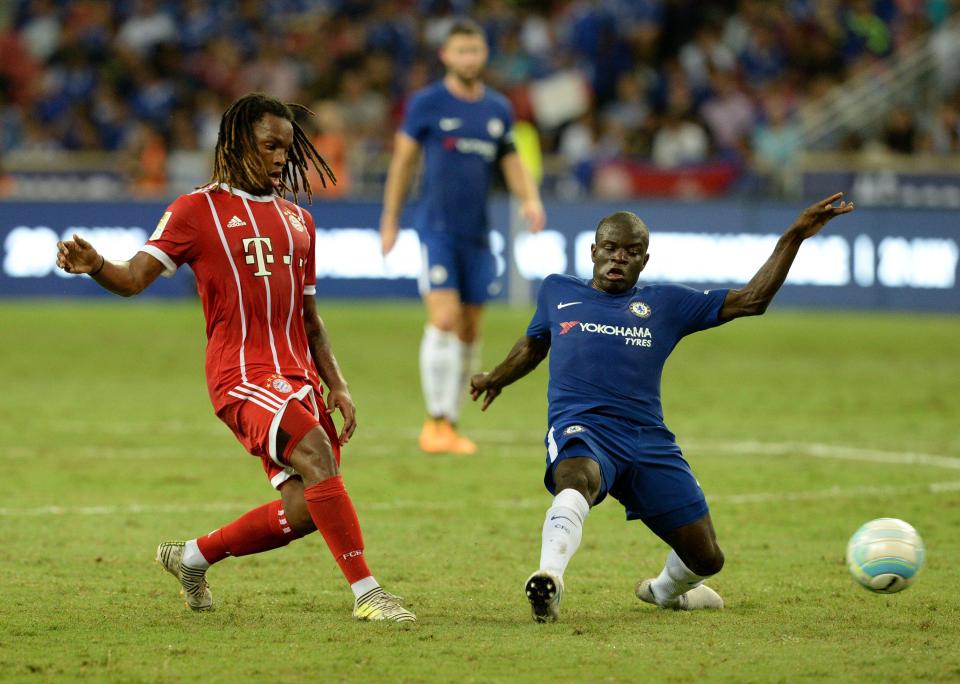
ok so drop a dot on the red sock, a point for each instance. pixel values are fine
(333, 514)
(262, 529)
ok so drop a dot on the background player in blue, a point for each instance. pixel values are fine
(464, 129)
(609, 340)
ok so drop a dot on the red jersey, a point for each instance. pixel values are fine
(253, 258)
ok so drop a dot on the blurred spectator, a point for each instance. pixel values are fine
(706, 53)
(41, 32)
(729, 114)
(629, 108)
(147, 161)
(330, 139)
(271, 72)
(864, 30)
(148, 25)
(945, 131)
(11, 125)
(511, 65)
(900, 132)
(776, 139)
(680, 141)
(187, 164)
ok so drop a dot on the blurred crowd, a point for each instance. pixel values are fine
(670, 82)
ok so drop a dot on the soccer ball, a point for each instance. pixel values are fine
(885, 555)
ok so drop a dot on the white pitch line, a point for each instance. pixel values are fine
(831, 451)
(511, 504)
(527, 448)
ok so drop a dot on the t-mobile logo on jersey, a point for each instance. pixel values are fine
(261, 254)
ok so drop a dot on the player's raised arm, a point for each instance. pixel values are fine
(526, 355)
(520, 182)
(328, 369)
(125, 278)
(403, 167)
(754, 298)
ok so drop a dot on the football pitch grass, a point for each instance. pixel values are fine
(800, 427)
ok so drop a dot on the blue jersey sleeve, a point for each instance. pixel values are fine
(416, 122)
(540, 323)
(697, 309)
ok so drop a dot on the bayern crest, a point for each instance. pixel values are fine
(281, 385)
(640, 309)
(295, 222)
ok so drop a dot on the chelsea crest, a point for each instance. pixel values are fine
(640, 309)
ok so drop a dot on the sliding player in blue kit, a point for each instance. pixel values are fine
(608, 341)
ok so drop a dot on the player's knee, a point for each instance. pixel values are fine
(580, 479)
(298, 517)
(313, 457)
(444, 322)
(708, 562)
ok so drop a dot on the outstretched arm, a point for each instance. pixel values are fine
(125, 278)
(526, 355)
(403, 167)
(328, 368)
(754, 298)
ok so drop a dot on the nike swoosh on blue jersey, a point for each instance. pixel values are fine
(564, 305)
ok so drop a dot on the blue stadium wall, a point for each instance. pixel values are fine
(898, 259)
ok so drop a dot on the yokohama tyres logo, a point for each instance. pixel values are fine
(567, 326)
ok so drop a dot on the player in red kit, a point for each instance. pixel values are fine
(268, 354)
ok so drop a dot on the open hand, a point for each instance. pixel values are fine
(533, 213)
(340, 400)
(78, 256)
(817, 215)
(479, 384)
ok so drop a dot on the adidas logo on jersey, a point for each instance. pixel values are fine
(236, 222)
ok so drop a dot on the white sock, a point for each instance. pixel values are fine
(364, 586)
(562, 530)
(675, 579)
(439, 368)
(192, 556)
(469, 364)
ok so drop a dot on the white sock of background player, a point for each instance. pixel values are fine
(440, 364)
(469, 364)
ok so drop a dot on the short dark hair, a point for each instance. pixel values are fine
(236, 161)
(465, 27)
(622, 218)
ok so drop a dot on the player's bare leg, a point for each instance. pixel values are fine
(443, 373)
(694, 557)
(577, 483)
(333, 513)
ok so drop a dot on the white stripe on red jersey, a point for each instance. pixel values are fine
(251, 279)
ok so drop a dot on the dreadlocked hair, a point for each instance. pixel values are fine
(237, 161)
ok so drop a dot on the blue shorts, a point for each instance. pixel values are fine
(451, 262)
(641, 467)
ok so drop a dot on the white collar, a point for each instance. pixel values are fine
(252, 198)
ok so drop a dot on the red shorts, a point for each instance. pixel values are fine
(260, 407)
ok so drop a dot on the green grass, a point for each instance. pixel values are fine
(105, 416)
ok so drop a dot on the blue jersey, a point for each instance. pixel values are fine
(607, 351)
(461, 141)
